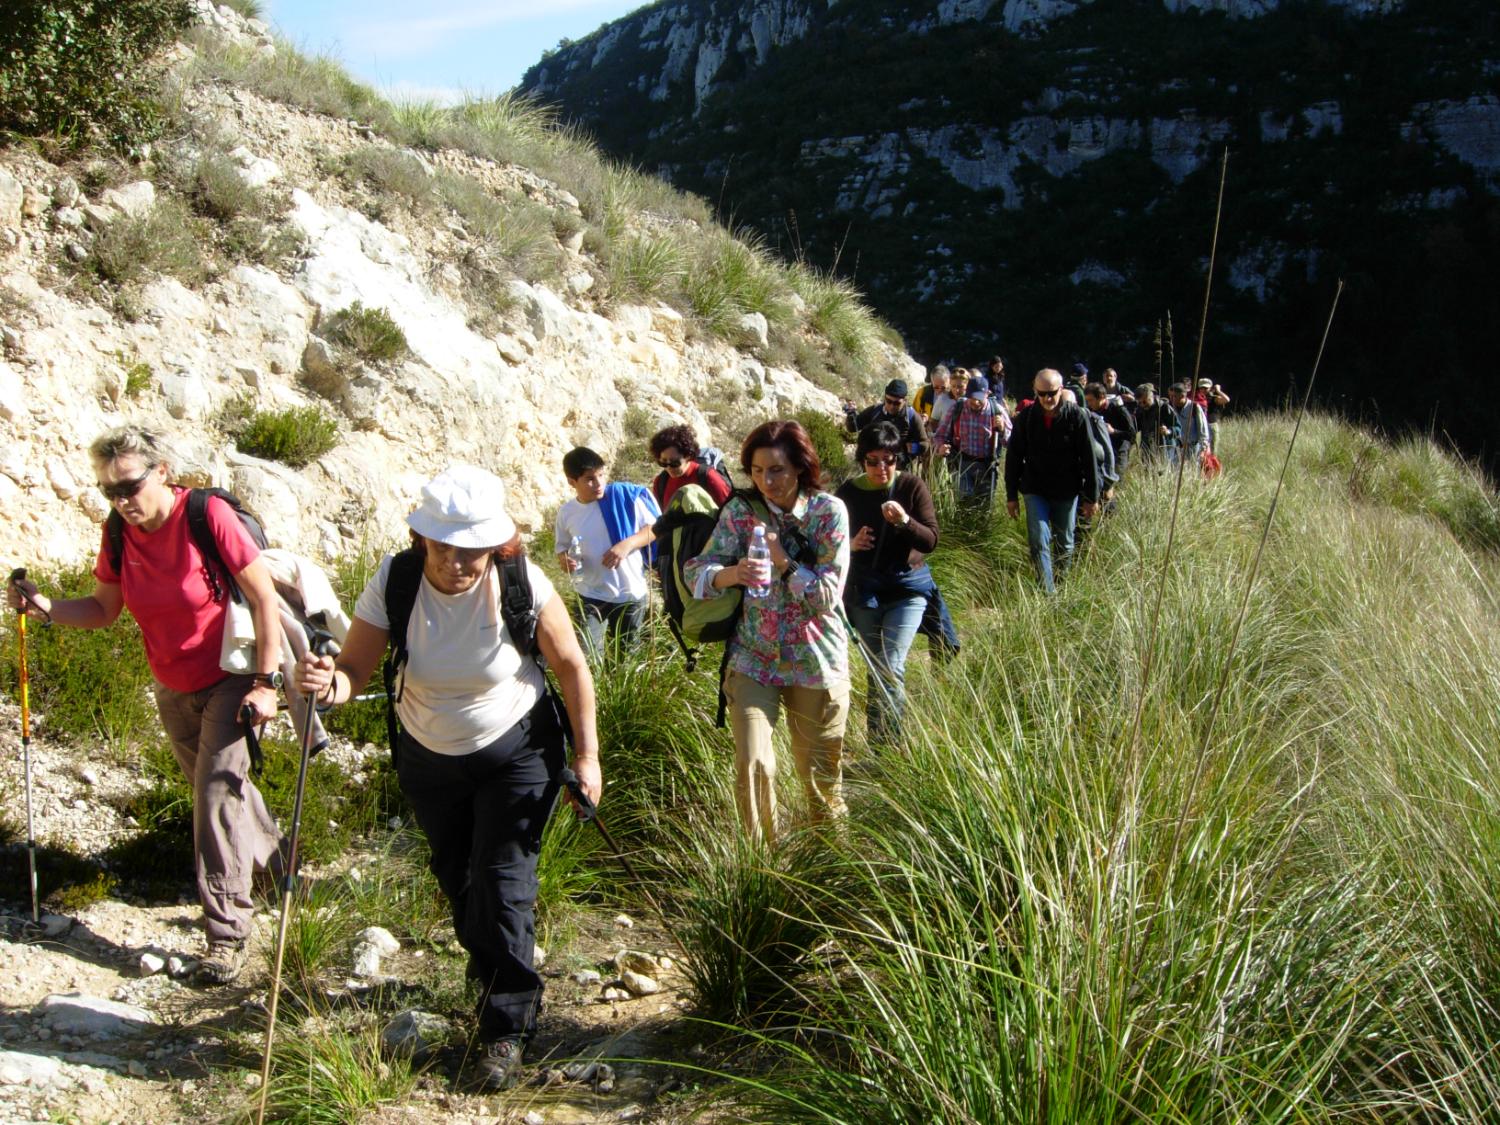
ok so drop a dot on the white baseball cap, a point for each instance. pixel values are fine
(463, 507)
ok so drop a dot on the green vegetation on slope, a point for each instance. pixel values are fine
(1033, 916)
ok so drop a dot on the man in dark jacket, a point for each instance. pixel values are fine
(1154, 422)
(1050, 461)
(895, 410)
(1117, 419)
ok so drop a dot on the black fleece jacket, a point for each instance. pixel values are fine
(1055, 461)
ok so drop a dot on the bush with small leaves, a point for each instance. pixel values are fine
(370, 333)
(164, 240)
(296, 436)
(85, 68)
(138, 379)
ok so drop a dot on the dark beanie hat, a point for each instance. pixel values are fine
(896, 388)
(1080, 369)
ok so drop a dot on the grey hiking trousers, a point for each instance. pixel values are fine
(233, 831)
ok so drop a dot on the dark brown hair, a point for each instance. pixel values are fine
(680, 438)
(793, 441)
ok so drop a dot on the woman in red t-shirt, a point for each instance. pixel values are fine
(163, 580)
(675, 449)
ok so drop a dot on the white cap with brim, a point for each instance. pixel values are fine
(463, 507)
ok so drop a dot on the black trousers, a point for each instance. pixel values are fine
(483, 814)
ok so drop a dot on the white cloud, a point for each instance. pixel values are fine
(443, 20)
(405, 91)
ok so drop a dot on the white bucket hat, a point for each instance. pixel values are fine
(463, 507)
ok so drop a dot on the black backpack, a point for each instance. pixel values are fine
(516, 610)
(216, 570)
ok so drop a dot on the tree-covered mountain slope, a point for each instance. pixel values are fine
(1040, 176)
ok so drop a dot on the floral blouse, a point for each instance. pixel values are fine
(794, 636)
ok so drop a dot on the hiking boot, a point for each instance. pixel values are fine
(499, 1064)
(223, 962)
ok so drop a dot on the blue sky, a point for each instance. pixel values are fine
(438, 48)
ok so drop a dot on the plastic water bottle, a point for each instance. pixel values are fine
(759, 552)
(575, 552)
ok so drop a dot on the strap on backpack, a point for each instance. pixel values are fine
(401, 584)
(220, 580)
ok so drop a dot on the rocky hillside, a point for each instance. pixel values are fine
(1040, 175)
(266, 269)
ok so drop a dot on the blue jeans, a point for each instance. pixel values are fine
(976, 479)
(886, 630)
(1049, 520)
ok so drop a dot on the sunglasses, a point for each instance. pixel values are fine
(125, 489)
(675, 463)
(889, 401)
(880, 462)
(1048, 394)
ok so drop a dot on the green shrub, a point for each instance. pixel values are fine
(394, 171)
(219, 190)
(645, 268)
(514, 228)
(138, 379)
(165, 240)
(84, 68)
(296, 436)
(827, 435)
(370, 333)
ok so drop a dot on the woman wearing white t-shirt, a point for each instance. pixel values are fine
(481, 747)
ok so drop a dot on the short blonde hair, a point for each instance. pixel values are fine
(123, 441)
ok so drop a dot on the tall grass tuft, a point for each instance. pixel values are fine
(325, 1074)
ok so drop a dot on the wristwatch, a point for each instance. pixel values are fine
(272, 680)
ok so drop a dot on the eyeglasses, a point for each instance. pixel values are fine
(674, 463)
(878, 462)
(1048, 394)
(125, 489)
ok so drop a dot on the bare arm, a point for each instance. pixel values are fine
(559, 644)
(362, 650)
(99, 609)
(621, 550)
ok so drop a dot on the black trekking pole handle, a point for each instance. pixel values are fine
(18, 576)
(587, 810)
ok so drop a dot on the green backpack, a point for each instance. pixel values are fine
(681, 534)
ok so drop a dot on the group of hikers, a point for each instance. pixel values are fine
(469, 627)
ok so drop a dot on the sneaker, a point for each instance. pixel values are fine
(499, 1064)
(223, 963)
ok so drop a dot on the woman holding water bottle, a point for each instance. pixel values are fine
(790, 646)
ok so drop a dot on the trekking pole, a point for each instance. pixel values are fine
(587, 810)
(322, 645)
(16, 577)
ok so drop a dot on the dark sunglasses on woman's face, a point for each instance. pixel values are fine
(879, 462)
(125, 489)
(675, 463)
